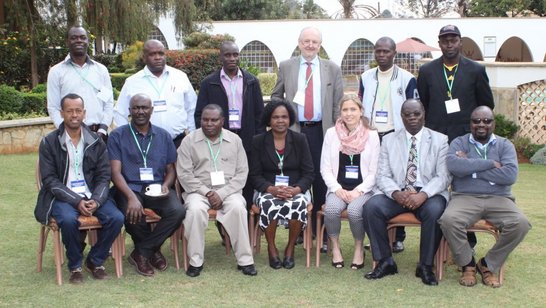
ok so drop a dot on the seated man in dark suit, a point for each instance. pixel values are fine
(412, 177)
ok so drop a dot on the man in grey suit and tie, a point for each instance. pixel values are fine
(412, 177)
(314, 87)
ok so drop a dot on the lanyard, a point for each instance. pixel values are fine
(143, 153)
(281, 161)
(215, 157)
(351, 158)
(450, 83)
(75, 159)
(484, 155)
(84, 78)
(158, 91)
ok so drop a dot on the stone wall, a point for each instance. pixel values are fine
(23, 136)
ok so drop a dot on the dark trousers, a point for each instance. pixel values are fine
(380, 209)
(66, 216)
(146, 241)
(315, 139)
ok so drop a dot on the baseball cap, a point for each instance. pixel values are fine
(449, 29)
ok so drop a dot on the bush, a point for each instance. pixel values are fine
(11, 100)
(35, 103)
(15, 60)
(524, 146)
(504, 127)
(40, 88)
(197, 64)
(540, 157)
(118, 79)
(108, 60)
(132, 56)
(267, 82)
(202, 40)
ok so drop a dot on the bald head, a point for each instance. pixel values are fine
(154, 56)
(482, 124)
(140, 108)
(229, 56)
(384, 52)
(413, 115)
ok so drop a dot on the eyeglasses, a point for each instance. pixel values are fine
(484, 121)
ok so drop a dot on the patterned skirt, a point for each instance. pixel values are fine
(273, 208)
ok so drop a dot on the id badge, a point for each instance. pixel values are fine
(104, 95)
(452, 105)
(282, 180)
(351, 172)
(146, 174)
(299, 98)
(160, 106)
(217, 178)
(381, 116)
(234, 115)
(78, 186)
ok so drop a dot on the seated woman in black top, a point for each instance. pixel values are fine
(281, 170)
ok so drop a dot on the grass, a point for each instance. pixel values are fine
(220, 284)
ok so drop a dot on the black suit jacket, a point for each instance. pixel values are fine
(298, 164)
(470, 86)
(212, 92)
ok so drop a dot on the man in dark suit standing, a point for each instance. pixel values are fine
(451, 86)
(314, 86)
(412, 177)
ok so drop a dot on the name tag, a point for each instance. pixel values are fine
(217, 178)
(381, 116)
(78, 186)
(234, 115)
(351, 172)
(282, 180)
(300, 98)
(146, 174)
(160, 106)
(452, 105)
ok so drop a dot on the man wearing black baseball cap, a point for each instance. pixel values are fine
(451, 87)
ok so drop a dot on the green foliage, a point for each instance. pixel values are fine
(15, 59)
(111, 61)
(506, 8)
(505, 127)
(203, 40)
(539, 158)
(118, 79)
(132, 55)
(197, 64)
(40, 88)
(34, 103)
(525, 147)
(11, 100)
(254, 70)
(267, 82)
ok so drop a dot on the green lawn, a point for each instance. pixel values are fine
(221, 284)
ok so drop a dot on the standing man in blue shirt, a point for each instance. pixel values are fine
(142, 154)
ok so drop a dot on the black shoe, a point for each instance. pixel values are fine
(275, 262)
(194, 271)
(427, 276)
(288, 262)
(339, 264)
(299, 240)
(324, 248)
(381, 270)
(76, 276)
(355, 266)
(248, 270)
(397, 247)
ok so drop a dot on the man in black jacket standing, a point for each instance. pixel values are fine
(75, 176)
(452, 86)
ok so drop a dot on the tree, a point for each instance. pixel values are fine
(351, 10)
(430, 8)
(506, 8)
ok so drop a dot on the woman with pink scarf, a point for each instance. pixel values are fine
(348, 165)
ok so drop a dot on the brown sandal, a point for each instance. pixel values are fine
(468, 279)
(488, 278)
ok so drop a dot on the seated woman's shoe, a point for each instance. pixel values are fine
(288, 262)
(355, 266)
(275, 262)
(339, 264)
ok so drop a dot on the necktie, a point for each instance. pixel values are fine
(411, 173)
(308, 106)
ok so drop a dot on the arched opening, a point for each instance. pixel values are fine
(514, 49)
(358, 57)
(257, 54)
(408, 55)
(156, 34)
(471, 49)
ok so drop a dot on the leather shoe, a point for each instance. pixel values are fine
(397, 246)
(194, 271)
(381, 270)
(427, 276)
(288, 262)
(488, 277)
(158, 261)
(97, 272)
(324, 248)
(248, 270)
(141, 264)
(275, 262)
(76, 276)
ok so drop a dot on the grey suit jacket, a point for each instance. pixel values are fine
(331, 88)
(393, 161)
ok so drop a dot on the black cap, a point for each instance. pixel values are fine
(449, 29)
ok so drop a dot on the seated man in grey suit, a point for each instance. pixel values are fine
(412, 177)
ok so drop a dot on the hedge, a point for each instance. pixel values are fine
(118, 79)
(197, 64)
(15, 102)
(11, 100)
